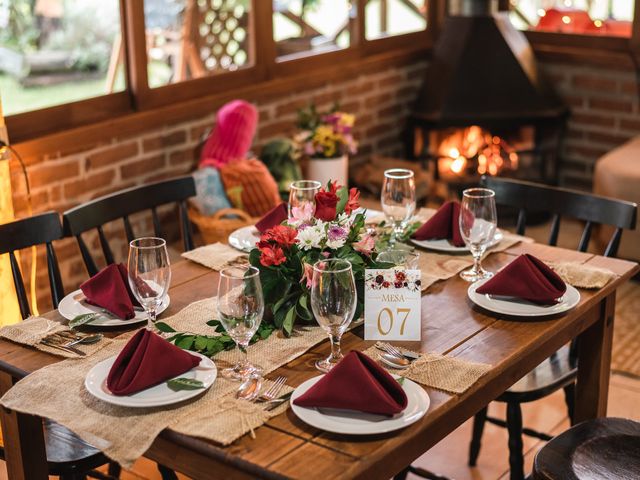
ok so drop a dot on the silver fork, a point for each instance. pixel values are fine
(395, 351)
(272, 392)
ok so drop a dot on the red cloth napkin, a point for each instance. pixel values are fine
(356, 383)
(109, 289)
(527, 277)
(147, 360)
(273, 217)
(443, 224)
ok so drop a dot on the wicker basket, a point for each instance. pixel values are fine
(217, 227)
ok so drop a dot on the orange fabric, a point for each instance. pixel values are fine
(250, 186)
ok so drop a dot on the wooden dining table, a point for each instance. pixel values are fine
(285, 447)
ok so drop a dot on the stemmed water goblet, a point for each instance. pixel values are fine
(478, 221)
(240, 309)
(149, 274)
(333, 302)
(303, 193)
(398, 199)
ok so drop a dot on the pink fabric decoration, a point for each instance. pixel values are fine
(232, 135)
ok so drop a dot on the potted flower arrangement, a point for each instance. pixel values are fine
(326, 139)
(286, 253)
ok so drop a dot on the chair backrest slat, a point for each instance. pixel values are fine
(593, 209)
(92, 268)
(40, 229)
(120, 205)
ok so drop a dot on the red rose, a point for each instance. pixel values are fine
(326, 206)
(272, 256)
(352, 203)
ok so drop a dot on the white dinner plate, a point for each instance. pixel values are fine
(446, 246)
(350, 422)
(245, 238)
(160, 395)
(521, 308)
(75, 304)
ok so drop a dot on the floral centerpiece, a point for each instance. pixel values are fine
(286, 253)
(326, 140)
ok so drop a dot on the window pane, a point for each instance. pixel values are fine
(586, 17)
(194, 38)
(315, 26)
(58, 51)
(394, 17)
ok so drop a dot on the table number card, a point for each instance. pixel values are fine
(392, 304)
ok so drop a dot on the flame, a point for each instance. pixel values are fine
(458, 164)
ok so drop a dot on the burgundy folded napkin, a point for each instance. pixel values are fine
(147, 360)
(527, 277)
(273, 217)
(109, 289)
(356, 383)
(443, 225)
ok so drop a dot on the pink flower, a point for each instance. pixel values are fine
(303, 213)
(365, 245)
(307, 275)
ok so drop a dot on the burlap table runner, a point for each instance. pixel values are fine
(216, 256)
(449, 374)
(35, 329)
(57, 392)
(583, 276)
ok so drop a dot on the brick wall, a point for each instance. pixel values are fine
(604, 114)
(61, 180)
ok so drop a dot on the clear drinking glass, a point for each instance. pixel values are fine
(478, 221)
(400, 258)
(149, 274)
(333, 301)
(240, 306)
(303, 192)
(398, 199)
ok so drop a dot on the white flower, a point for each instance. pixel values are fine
(335, 244)
(311, 237)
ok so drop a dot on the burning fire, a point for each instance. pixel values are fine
(473, 148)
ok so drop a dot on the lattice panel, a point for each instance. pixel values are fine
(221, 34)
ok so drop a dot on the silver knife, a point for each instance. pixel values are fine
(63, 348)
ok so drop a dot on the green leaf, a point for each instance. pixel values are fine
(185, 342)
(83, 319)
(343, 197)
(400, 380)
(183, 383)
(164, 328)
(200, 343)
(287, 324)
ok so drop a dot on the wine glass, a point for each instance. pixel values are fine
(400, 258)
(398, 199)
(240, 306)
(149, 274)
(333, 301)
(303, 192)
(478, 220)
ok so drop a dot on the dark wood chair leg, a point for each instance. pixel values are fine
(73, 476)
(167, 473)
(570, 400)
(114, 469)
(514, 426)
(478, 427)
(402, 475)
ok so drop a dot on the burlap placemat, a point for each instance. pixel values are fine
(57, 392)
(34, 330)
(216, 256)
(583, 276)
(449, 374)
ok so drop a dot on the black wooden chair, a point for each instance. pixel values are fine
(122, 204)
(559, 370)
(67, 455)
(600, 448)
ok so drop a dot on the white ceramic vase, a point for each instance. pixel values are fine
(325, 169)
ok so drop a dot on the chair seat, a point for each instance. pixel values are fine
(602, 448)
(66, 452)
(553, 373)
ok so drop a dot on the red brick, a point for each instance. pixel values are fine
(629, 87)
(585, 151)
(610, 105)
(85, 185)
(594, 83)
(609, 138)
(280, 128)
(142, 167)
(359, 88)
(112, 155)
(186, 157)
(328, 98)
(292, 106)
(51, 172)
(39, 202)
(199, 132)
(392, 80)
(379, 129)
(164, 141)
(377, 100)
(574, 100)
(589, 119)
(352, 106)
(628, 124)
